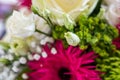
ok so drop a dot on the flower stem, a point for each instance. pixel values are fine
(42, 32)
(46, 18)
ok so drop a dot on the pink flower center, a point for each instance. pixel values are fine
(64, 74)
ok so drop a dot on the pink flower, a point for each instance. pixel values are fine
(65, 64)
(118, 27)
(25, 3)
(116, 42)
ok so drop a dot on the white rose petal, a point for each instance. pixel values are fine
(109, 2)
(113, 14)
(57, 8)
(21, 24)
(23, 60)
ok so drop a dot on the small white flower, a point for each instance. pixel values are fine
(49, 39)
(16, 63)
(9, 57)
(6, 74)
(15, 69)
(38, 49)
(30, 57)
(33, 44)
(21, 24)
(24, 76)
(36, 57)
(23, 60)
(53, 51)
(72, 39)
(1, 67)
(43, 42)
(2, 51)
(44, 54)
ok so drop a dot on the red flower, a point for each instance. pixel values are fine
(65, 64)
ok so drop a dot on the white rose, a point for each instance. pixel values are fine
(21, 24)
(59, 8)
(113, 14)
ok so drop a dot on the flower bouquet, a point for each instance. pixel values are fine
(62, 40)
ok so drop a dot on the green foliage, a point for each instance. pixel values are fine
(99, 35)
(25, 70)
(97, 9)
(95, 34)
(5, 61)
(58, 33)
(4, 45)
(92, 31)
(110, 66)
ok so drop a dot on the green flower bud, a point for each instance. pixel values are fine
(72, 39)
(107, 38)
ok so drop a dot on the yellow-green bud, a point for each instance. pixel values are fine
(72, 39)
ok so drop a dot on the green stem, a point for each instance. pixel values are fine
(48, 20)
(42, 32)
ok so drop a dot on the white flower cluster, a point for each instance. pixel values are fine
(11, 71)
(22, 39)
(21, 32)
(5, 71)
(23, 24)
(112, 13)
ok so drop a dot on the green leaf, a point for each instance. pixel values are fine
(97, 8)
(4, 45)
(5, 61)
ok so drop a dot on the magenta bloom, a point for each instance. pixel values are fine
(116, 42)
(118, 27)
(25, 3)
(67, 64)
